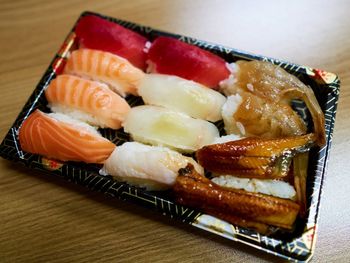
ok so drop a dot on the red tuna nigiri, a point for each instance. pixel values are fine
(97, 33)
(174, 57)
(45, 135)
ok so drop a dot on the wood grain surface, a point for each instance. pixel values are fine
(45, 219)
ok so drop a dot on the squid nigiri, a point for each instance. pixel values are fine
(86, 100)
(174, 57)
(59, 137)
(182, 95)
(163, 127)
(118, 73)
(97, 33)
(147, 166)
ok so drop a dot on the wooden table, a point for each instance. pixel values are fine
(45, 219)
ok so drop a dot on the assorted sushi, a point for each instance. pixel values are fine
(258, 168)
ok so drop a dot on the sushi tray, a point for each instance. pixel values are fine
(230, 142)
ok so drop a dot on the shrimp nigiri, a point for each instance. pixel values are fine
(118, 73)
(174, 57)
(87, 100)
(97, 33)
(182, 95)
(59, 137)
(147, 166)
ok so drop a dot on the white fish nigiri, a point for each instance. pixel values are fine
(182, 95)
(153, 167)
(269, 187)
(163, 127)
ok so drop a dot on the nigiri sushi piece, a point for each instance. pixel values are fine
(60, 137)
(118, 73)
(147, 166)
(163, 127)
(267, 92)
(97, 33)
(192, 189)
(182, 95)
(89, 101)
(174, 57)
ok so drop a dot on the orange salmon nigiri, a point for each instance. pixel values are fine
(86, 100)
(118, 73)
(67, 140)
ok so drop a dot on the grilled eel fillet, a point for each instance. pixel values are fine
(254, 157)
(235, 206)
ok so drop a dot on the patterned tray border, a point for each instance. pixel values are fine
(299, 249)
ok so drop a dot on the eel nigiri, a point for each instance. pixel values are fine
(147, 166)
(57, 136)
(174, 57)
(182, 95)
(86, 100)
(192, 189)
(97, 33)
(163, 127)
(118, 73)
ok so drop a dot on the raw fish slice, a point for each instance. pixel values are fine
(160, 126)
(174, 57)
(182, 95)
(98, 33)
(147, 166)
(86, 100)
(49, 136)
(115, 71)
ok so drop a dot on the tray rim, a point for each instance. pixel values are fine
(134, 192)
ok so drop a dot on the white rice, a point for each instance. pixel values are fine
(75, 123)
(269, 187)
(77, 114)
(232, 67)
(227, 112)
(227, 86)
(226, 138)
